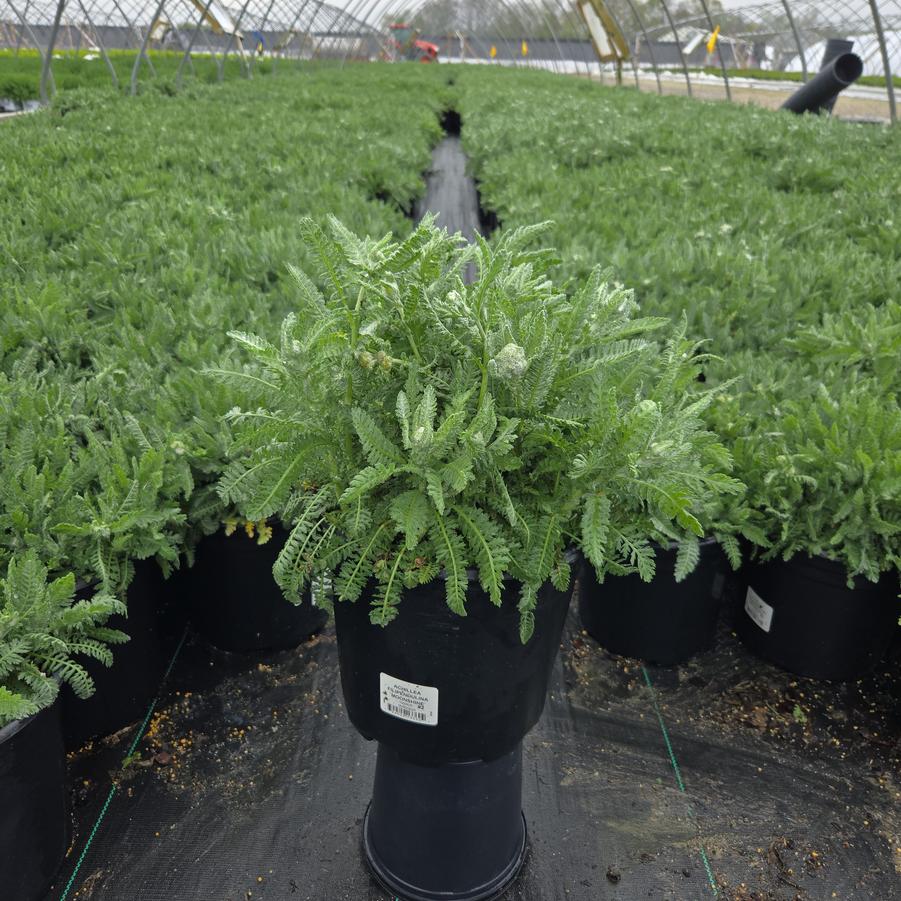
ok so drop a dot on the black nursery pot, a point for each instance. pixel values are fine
(236, 604)
(125, 690)
(449, 699)
(662, 621)
(33, 818)
(801, 615)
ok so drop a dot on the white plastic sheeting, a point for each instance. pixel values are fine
(866, 46)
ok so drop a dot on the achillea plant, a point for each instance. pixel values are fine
(42, 628)
(414, 425)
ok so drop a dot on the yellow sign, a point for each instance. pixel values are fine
(711, 44)
(525, 48)
(493, 52)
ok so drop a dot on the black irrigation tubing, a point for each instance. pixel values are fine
(139, 734)
(678, 773)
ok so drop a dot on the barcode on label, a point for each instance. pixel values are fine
(405, 713)
(408, 701)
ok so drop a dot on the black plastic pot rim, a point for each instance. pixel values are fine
(16, 726)
(393, 885)
(571, 555)
(822, 562)
(673, 545)
(10, 730)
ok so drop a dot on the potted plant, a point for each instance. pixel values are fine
(80, 490)
(227, 585)
(443, 450)
(235, 603)
(42, 635)
(666, 612)
(121, 533)
(821, 455)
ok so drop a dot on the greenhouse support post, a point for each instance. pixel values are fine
(672, 26)
(288, 39)
(231, 39)
(719, 49)
(48, 54)
(349, 11)
(549, 22)
(565, 11)
(633, 57)
(253, 54)
(309, 33)
(27, 28)
(797, 36)
(190, 47)
(142, 53)
(886, 62)
(103, 53)
(21, 31)
(649, 44)
(136, 32)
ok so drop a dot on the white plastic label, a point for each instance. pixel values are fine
(408, 701)
(759, 610)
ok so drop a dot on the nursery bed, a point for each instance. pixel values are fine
(250, 783)
(721, 777)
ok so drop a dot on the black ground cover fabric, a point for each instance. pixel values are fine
(251, 784)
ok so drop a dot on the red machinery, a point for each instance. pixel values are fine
(406, 44)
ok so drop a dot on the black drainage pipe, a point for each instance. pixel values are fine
(826, 85)
(835, 47)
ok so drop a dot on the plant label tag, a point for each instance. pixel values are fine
(408, 701)
(759, 610)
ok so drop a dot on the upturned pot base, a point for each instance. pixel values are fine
(453, 832)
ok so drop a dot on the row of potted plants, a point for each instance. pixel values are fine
(774, 238)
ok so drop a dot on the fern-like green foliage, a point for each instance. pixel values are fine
(415, 427)
(43, 630)
(821, 456)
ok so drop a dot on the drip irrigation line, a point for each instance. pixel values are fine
(679, 782)
(139, 734)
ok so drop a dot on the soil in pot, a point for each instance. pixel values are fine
(34, 822)
(449, 699)
(801, 615)
(234, 600)
(124, 690)
(662, 621)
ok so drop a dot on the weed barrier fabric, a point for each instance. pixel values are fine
(252, 784)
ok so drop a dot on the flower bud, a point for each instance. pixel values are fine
(511, 362)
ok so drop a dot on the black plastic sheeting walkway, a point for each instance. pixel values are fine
(251, 784)
(723, 777)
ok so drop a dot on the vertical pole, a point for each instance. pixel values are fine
(190, 47)
(648, 42)
(253, 54)
(886, 62)
(232, 37)
(632, 54)
(22, 27)
(103, 53)
(290, 32)
(48, 55)
(797, 36)
(143, 51)
(672, 26)
(719, 51)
